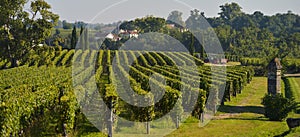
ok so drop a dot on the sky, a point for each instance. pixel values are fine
(108, 11)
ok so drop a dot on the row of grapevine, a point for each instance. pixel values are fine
(139, 83)
(253, 62)
(235, 82)
(66, 57)
(47, 94)
(233, 58)
(291, 65)
(57, 60)
(66, 61)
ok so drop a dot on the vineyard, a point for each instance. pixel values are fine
(41, 93)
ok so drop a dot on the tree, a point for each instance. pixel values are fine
(81, 29)
(78, 24)
(59, 24)
(86, 39)
(176, 17)
(21, 30)
(150, 24)
(192, 22)
(224, 34)
(81, 38)
(277, 107)
(230, 11)
(127, 25)
(66, 25)
(57, 32)
(74, 38)
(259, 18)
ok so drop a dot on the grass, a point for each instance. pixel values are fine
(228, 64)
(294, 132)
(238, 127)
(234, 63)
(252, 93)
(246, 123)
(293, 90)
(296, 82)
(249, 120)
(63, 32)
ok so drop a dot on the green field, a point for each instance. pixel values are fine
(297, 89)
(293, 89)
(65, 32)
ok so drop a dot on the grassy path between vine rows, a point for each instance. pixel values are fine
(242, 117)
(296, 88)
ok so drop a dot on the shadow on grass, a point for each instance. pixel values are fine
(252, 118)
(241, 109)
(297, 111)
(284, 134)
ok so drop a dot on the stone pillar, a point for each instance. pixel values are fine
(274, 76)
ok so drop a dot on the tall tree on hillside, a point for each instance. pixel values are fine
(81, 29)
(74, 38)
(86, 39)
(21, 29)
(81, 38)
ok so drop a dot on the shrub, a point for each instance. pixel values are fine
(277, 107)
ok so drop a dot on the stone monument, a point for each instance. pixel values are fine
(274, 76)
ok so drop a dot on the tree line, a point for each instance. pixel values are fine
(240, 34)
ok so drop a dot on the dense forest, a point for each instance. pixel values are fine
(245, 35)
(257, 35)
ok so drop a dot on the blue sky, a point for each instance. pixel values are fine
(107, 11)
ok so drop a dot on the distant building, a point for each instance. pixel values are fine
(113, 37)
(184, 30)
(129, 33)
(174, 26)
(170, 26)
(224, 61)
(122, 31)
(133, 34)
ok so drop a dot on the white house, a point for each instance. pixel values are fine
(133, 34)
(113, 37)
(122, 31)
(129, 33)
